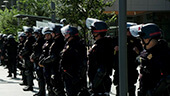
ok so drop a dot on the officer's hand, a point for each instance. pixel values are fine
(40, 65)
(2, 57)
(32, 60)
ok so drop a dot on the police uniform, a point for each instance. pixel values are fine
(100, 59)
(26, 52)
(19, 61)
(73, 62)
(154, 61)
(11, 47)
(132, 43)
(37, 51)
(54, 58)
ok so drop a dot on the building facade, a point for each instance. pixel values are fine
(147, 11)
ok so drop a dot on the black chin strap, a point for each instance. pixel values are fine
(66, 39)
(95, 36)
(145, 44)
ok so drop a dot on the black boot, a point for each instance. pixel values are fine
(10, 75)
(22, 84)
(29, 88)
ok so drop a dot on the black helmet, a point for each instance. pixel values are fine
(27, 29)
(56, 28)
(96, 25)
(149, 30)
(46, 30)
(73, 31)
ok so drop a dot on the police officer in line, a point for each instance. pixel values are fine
(154, 60)
(4, 59)
(73, 61)
(54, 58)
(11, 47)
(25, 55)
(1, 43)
(47, 68)
(37, 50)
(133, 49)
(22, 39)
(101, 57)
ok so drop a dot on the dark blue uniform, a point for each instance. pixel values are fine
(73, 62)
(132, 43)
(101, 58)
(155, 66)
(47, 67)
(54, 58)
(11, 48)
(37, 51)
(29, 67)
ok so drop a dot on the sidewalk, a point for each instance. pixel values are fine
(10, 86)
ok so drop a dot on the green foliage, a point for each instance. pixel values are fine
(76, 11)
(34, 7)
(8, 24)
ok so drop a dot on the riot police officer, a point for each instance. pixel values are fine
(54, 58)
(133, 49)
(101, 57)
(154, 60)
(73, 61)
(4, 59)
(47, 68)
(25, 55)
(12, 53)
(37, 50)
(22, 39)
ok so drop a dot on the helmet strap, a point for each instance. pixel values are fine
(94, 36)
(145, 44)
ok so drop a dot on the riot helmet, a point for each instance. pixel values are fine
(56, 28)
(69, 31)
(98, 27)
(21, 34)
(10, 36)
(47, 33)
(129, 24)
(147, 31)
(37, 30)
(27, 29)
(72, 31)
(63, 21)
(46, 30)
(4, 36)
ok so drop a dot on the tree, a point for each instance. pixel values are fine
(76, 11)
(8, 24)
(34, 7)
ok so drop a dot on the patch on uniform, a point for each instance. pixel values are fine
(131, 41)
(149, 56)
(67, 46)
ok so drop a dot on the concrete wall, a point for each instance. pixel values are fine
(143, 5)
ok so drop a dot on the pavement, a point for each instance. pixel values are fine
(9, 86)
